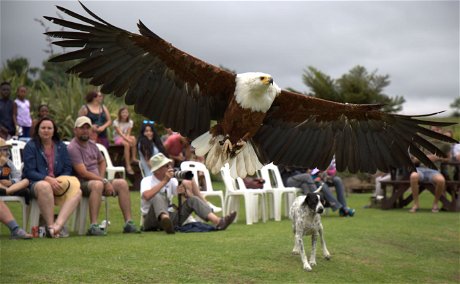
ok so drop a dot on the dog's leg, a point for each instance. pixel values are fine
(326, 253)
(314, 237)
(303, 256)
(296, 249)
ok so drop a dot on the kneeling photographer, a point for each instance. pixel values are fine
(157, 192)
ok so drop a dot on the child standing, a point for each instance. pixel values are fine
(21, 113)
(122, 136)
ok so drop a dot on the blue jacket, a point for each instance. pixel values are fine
(36, 166)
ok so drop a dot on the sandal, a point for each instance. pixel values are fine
(130, 171)
(413, 209)
(435, 210)
(51, 232)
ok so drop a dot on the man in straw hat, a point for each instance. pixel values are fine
(157, 191)
(90, 167)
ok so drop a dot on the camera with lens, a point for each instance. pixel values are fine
(183, 175)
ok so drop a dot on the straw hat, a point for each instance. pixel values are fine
(157, 161)
(67, 183)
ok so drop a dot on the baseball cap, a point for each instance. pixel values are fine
(82, 120)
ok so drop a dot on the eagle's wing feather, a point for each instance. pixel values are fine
(304, 131)
(164, 83)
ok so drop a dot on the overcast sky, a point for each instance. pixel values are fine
(415, 42)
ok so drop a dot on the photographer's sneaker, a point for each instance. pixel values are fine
(95, 230)
(130, 227)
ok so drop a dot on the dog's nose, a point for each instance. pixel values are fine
(320, 210)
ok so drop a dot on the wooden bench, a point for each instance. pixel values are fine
(116, 154)
(394, 191)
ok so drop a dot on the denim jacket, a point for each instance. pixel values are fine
(36, 166)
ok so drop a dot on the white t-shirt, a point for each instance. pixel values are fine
(124, 127)
(168, 191)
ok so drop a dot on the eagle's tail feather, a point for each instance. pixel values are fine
(244, 163)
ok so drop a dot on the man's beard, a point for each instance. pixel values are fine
(83, 138)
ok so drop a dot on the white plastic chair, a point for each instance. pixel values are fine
(197, 167)
(16, 147)
(251, 197)
(276, 189)
(111, 170)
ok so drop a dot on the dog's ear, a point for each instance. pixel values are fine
(305, 201)
(323, 201)
(311, 200)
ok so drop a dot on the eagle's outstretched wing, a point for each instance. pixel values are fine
(164, 83)
(305, 131)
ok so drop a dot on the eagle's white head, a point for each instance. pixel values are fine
(255, 91)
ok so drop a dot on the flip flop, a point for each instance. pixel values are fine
(413, 210)
(435, 210)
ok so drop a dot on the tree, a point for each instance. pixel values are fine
(456, 106)
(357, 86)
(18, 67)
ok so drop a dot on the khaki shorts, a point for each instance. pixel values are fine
(84, 185)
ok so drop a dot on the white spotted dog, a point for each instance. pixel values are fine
(306, 220)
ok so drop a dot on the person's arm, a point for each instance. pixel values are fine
(64, 156)
(150, 193)
(15, 114)
(30, 165)
(108, 122)
(83, 111)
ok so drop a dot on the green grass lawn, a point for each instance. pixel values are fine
(375, 246)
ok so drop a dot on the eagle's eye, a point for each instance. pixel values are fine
(262, 78)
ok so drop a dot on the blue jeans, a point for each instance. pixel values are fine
(339, 190)
(306, 183)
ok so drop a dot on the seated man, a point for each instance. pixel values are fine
(90, 167)
(7, 218)
(425, 174)
(303, 179)
(157, 192)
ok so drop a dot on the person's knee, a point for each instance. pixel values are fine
(439, 179)
(95, 187)
(120, 185)
(43, 188)
(414, 176)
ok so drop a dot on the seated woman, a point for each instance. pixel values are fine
(122, 136)
(49, 170)
(149, 144)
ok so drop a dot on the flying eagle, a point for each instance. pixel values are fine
(257, 122)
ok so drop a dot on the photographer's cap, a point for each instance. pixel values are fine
(82, 120)
(157, 161)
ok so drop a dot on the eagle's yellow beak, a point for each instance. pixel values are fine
(266, 80)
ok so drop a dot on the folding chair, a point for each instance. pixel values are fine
(276, 189)
(252, 197)
(197, 167)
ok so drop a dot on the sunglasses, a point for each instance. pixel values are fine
(149, 122)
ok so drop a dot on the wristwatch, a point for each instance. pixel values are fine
(105, 181)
